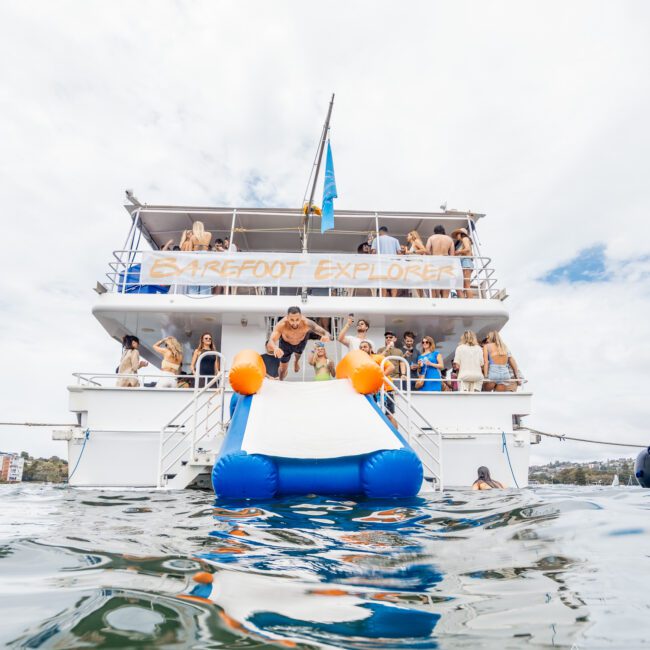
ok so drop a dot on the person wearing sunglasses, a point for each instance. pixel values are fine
(209, 366)
(430, 364)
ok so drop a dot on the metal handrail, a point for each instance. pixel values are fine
(406, 396)
(166, 436)
(212, 388)
(90, 378)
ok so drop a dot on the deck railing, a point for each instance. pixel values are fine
(123, 276)
(202, 415)
(425, 439)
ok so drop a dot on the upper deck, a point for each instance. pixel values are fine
(133, 302)
(286, 239)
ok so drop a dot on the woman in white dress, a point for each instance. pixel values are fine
(469, 357)
(130, 362)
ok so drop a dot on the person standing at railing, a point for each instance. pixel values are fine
(387, 369)
(130, 362)
(384, 244)
(430, 365)
(396, 372)
(172, 360)
(496, 359)
(415, 247)
(463, 249)
(209, 366)
(200, 237)
(197, 240)
(440, 244)
(411, 354)
(232, 248)
(389, 350)
(469, 357)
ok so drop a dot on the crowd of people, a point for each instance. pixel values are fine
(484, 366)
(171, 374)
(458, 244)
(199, 239)
(477, 366)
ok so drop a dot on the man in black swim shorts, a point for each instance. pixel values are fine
(290, 337)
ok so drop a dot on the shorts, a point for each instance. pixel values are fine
(289, 349)
(499, 373)
(389, 402)
(467, 263)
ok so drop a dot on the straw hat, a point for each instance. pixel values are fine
(463, 231)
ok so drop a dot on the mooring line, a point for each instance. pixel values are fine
(562, 437)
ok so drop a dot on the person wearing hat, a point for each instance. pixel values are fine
(463, 248)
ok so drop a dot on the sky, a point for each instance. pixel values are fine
(532, 112)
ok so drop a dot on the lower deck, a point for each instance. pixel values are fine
(245, 321)
(118, 440)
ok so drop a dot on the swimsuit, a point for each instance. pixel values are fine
(290, 348)
(322, 371)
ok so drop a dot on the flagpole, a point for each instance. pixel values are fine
(319, 158)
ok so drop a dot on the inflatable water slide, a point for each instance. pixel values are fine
(327, 438)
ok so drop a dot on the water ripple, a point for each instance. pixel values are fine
(139, 569)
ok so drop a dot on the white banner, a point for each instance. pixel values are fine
(301, 270)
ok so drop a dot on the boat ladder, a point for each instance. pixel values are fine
(423, 437)
(191, 439)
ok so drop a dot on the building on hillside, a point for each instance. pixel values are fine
(11, 467)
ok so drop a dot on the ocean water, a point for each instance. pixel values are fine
(556, 567)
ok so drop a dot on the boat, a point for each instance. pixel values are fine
(378, 427)
(149, 436)
(615, 481)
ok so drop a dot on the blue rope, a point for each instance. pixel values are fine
(86, 436)
(504, 449)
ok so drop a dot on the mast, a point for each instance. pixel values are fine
(319, 158)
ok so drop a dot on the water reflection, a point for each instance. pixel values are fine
(177, 570)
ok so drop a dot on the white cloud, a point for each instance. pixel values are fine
(532, 112)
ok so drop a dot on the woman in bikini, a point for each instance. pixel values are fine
(496, 359)
(323, 367)
(200, 237)
(172, 359)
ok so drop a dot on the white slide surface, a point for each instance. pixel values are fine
(316, 419)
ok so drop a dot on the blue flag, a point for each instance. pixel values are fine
(329, 193)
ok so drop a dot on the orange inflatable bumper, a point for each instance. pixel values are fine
(247, 372)
(366, 376)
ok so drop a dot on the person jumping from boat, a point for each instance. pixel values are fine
(290, 337)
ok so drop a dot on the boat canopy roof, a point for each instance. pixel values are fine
(280, 229)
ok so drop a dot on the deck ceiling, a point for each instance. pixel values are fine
(265, 229)
(151, 325)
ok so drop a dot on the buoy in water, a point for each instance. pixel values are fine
(642, 468)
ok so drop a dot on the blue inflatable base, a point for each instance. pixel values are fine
(383, 473)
